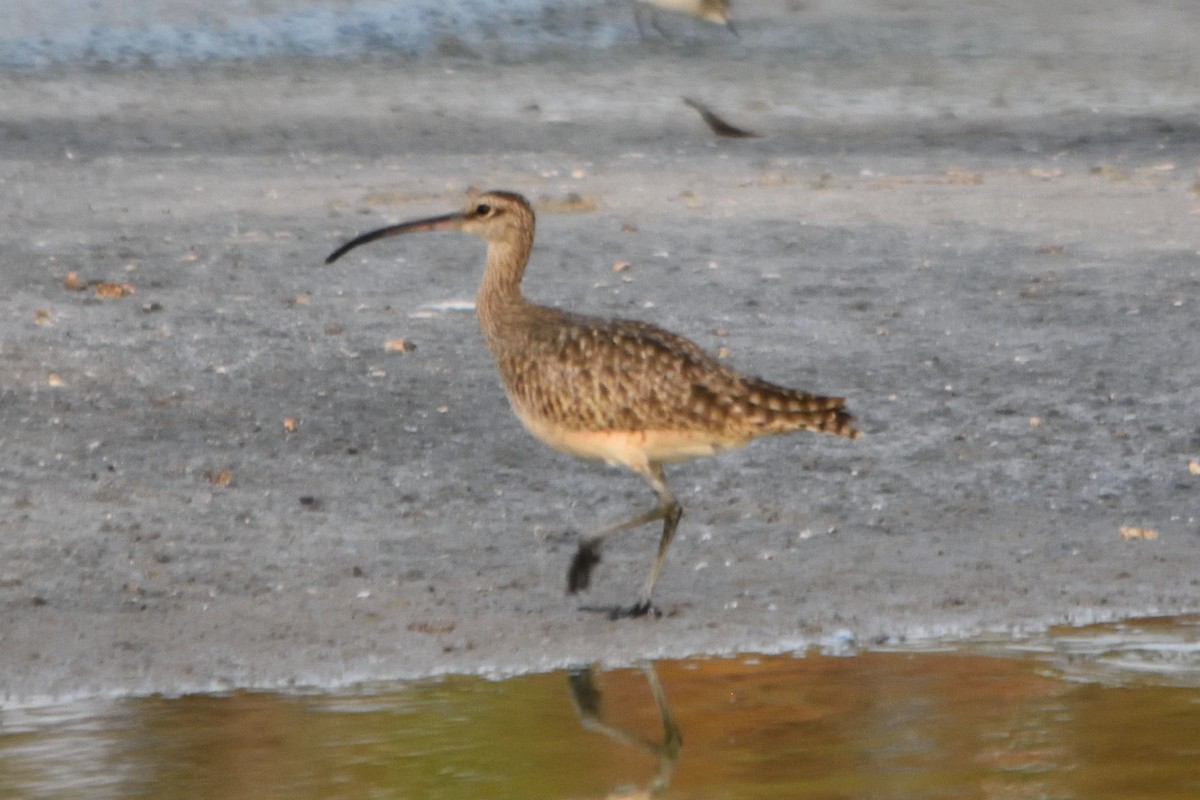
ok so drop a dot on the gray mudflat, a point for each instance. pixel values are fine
(979, 224)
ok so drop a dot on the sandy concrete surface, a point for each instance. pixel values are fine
(980, 225)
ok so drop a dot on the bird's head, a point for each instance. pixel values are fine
(496, 217)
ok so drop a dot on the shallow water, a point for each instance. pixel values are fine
(1106, 712)
(159, 33)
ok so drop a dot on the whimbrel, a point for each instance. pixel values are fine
(616, 390)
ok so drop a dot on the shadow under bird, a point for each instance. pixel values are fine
(616, 390)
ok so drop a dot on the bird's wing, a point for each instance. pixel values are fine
(597, 374)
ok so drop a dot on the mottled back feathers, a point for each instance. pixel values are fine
(595, 374)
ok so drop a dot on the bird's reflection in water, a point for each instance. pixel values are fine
(586, 695)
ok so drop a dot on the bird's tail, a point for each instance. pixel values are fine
(781, 410)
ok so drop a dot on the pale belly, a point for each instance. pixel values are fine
(633, 449)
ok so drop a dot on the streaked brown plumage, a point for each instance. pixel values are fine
(621, 391)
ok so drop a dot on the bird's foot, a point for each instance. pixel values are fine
(625, 612)
(579, 576)
(643, 608)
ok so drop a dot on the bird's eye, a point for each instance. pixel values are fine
(482, 210)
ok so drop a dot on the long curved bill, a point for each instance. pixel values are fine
(446, 222)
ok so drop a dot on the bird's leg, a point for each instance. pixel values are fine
(673, 514)
(657, 26)
(588, 555)
(637, 17)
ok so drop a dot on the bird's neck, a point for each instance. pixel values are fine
(500, 301)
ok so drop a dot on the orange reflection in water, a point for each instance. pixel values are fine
(877, 725)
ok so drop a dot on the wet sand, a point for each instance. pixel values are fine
(982, 230)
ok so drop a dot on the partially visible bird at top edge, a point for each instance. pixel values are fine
(719, 126)
(714, 11)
